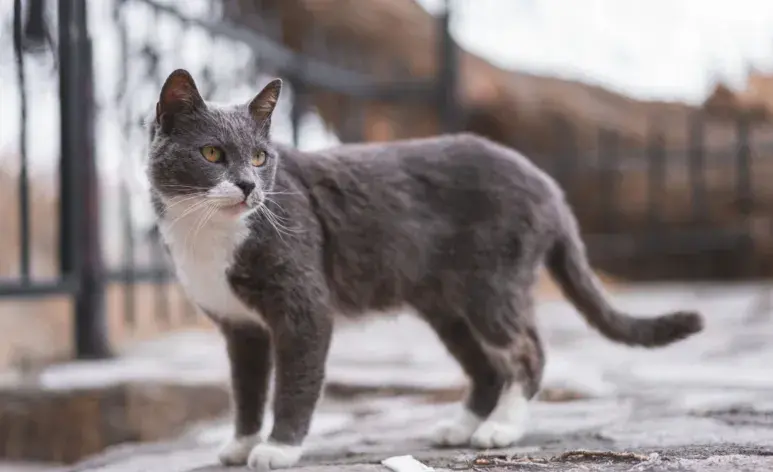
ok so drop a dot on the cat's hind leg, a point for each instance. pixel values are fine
(486, 381)
(510, 340)
(507, 423)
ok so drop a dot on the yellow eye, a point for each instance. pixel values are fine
(212, 153)
(258, 159)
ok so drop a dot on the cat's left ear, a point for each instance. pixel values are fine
(262, 106)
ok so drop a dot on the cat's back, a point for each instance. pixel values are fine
(445, 182)
(435, 149)
(461, 161)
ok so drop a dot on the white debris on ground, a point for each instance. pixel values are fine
(405, 464)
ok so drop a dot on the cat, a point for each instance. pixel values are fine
(271, 242)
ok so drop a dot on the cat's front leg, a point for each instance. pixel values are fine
(249, 355)
(301, 340)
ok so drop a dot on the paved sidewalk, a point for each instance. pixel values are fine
(705, 404)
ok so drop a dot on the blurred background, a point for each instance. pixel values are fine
(655, 116)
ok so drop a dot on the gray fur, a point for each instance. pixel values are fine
(455, 227)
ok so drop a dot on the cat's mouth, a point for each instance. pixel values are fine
(237, 208)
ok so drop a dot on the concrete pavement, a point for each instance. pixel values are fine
(705, 404)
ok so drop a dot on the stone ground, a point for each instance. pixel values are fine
(705, 404)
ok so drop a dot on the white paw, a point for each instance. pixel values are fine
(268, 456)
(456, 432)
(492, 435)
(237, 450)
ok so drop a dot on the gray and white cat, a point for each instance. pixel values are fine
(271, 242)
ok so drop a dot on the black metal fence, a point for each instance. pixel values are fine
(144, 63)
(695, 211)
(230, 54)
(80, 268)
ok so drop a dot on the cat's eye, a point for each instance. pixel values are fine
(258, 159)
(212, 153)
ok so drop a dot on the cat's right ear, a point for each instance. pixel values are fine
(178, 95)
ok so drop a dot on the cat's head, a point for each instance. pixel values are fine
(212, 156)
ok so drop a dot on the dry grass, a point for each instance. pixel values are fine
(44, 223)
(36, 332)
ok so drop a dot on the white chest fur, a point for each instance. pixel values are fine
(201, 255)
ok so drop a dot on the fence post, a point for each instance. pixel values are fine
(24, 204)
(744, 190)
(609, 167)
(448, 69)
(697, 167)
(565, 164)
(298, 107)
(744, 187)
(80, 252)
(656, 179)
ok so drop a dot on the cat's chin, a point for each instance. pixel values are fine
(237, 210)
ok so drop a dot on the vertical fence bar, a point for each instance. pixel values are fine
(67, 172)
(656, 186)
(128, 272)
(160, 285)
(448, 70)
(566, 164)
(656, 179)
(572, 159)
(744, 190)
(697, 167)
(296, 110)
(745, 194)
(609, 161)
(24, 207)
(80, 254)
(35, 29)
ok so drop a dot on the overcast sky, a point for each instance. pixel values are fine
(666, 49)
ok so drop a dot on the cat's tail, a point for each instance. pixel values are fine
(568, 264)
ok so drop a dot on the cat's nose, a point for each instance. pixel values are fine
(246, 187)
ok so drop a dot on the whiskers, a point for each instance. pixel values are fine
(281, 193)
(199, 202)
(199, 207)
(277, 222)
